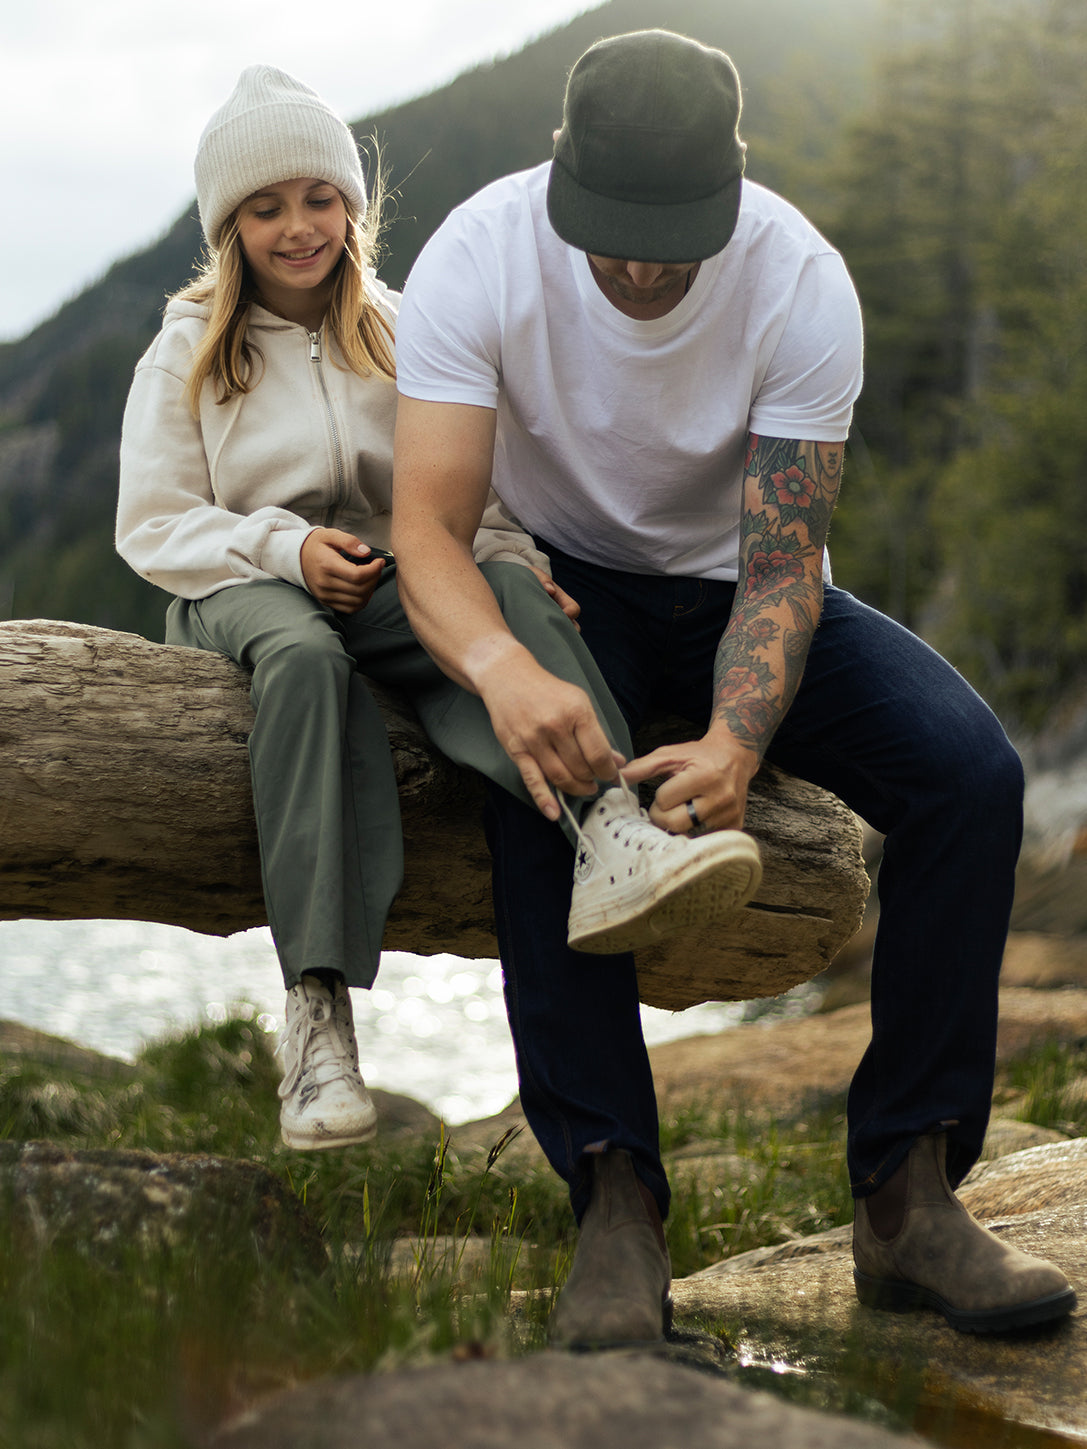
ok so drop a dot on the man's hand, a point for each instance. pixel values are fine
(713, 773)
(334, 580)
(547, 727)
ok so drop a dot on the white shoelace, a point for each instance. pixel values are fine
(639, 829)
(315, 1046)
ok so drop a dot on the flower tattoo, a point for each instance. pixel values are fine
(793, 486)
(767, 571)
(790, 489)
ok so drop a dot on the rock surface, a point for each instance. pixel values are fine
(773, 1065)
(787, 1308)
(778, 1063)
(794, 1304)
(124, 793)
(549, 1401)
(108, 1201)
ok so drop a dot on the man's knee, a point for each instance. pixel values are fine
(984, 774)
(1002, 771)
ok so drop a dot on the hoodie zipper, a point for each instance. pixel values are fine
(340, 481)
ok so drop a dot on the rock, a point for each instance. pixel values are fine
(1052, 898)
(467, 1259)
(814, 1245)
(1038, 1180)
(108, 1202)
(1006, 1135)
(987, 1191)
(774, 1065)
(57, 1057)
(547, 1401)
(125, 786)
(795, 1304)
(1042, 960)
(399, 1115)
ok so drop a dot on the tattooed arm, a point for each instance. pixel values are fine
(790, 489)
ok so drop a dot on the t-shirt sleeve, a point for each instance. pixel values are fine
(447, 335)
(814, 376)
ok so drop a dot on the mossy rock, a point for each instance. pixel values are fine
(111, 1203)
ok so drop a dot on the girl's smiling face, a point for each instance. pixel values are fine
(292, 234)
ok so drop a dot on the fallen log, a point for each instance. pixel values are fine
(125, 794)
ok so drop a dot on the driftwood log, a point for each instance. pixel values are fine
(124, 794)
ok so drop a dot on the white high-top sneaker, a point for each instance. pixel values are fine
(324, 1099)
(635, 883)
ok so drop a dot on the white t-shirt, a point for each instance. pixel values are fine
(622, 441)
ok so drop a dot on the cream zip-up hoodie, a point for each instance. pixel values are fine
(230, 496)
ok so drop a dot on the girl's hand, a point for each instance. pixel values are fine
(570, 607)
(333, 579)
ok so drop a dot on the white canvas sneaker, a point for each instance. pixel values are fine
(324, 1099)
(635, 883)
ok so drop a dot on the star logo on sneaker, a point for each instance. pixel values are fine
(584, 862)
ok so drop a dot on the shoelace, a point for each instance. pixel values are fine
(639, 829)
(318, 1044)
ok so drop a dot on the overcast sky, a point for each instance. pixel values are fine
(101, 107)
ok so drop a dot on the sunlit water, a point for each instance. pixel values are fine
(433, 1027)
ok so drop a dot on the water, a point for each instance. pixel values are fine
(433, 1027)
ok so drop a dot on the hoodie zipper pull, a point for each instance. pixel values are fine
(315, 346)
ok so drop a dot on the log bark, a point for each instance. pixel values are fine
(125, 794)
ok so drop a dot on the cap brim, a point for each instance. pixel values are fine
(635, 231)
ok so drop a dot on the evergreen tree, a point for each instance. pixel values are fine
(1012, 502)
(962, 222)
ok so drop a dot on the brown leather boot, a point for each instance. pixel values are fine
(937, 1256)
(618, 1291)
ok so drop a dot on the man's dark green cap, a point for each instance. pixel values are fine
(648, 163)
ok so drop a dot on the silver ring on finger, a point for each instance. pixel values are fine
(696, 824)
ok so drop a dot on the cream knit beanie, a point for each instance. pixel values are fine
(273, 128)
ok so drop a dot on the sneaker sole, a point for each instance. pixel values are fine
(317, 1142)
(711, 890)
(894, 1296)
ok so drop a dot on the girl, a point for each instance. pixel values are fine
(256, 486)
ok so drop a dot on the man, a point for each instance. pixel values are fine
(656, 362)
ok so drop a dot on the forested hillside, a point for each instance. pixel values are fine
(941, 146)
(960, 212)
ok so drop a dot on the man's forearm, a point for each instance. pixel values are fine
(450, 607)
(790, 491)
(444, 456)
(547, 725)
(760, 661)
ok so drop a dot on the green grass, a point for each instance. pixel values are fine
(1050, 1082)
(141, 1347)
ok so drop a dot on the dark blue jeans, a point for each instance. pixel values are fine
(888, 726)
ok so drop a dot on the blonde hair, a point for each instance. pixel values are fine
(225, 355)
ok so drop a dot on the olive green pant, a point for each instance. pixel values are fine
(324, 790)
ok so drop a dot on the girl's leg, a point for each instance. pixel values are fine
(324, 790)
(381, 639)
(328, 822)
